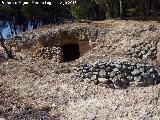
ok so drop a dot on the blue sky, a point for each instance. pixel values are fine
(6, 31)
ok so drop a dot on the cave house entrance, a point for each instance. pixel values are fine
(71, 52)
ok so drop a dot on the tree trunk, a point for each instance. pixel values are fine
(122, 8)
(10, 25)
(34, 23)
(9, 52)
(15, 29)
(24, 28)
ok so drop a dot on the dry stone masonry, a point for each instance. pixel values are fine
(57, 35)
(54, 53)
(83, 35)
(119, 73)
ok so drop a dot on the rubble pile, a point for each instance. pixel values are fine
(119, 73)
(143, 50)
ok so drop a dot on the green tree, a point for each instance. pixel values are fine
(102, 8)
(80, 12)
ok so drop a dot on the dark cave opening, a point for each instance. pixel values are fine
(70, 52)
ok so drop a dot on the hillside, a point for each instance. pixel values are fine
(106, 70)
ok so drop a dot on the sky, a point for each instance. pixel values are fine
(6, 32)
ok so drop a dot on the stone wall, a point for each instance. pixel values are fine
(54, 53)
(118, 73)
(83, 35)
(64, 34)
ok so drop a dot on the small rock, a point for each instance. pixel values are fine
(124, 67)
(153, 49)
(133, 45)
(87, 75)
(87, 66)
(131, 50)
(154, 76)
(87, 81)
(79, 79)
(140, 55)
(144, 75)
(137, 78)
(96, 82)
(95, 73)
(135, 72)
(102, 73)
(141, 70)
(130, 68)
(145, 56)
(130, 78)
(102, 80)
(108, 69)
(94, 77)
(151, 70)
(118, 66)
(134, 55)
(143, 52)
(112, 74)
(102, 67)
(115, 69)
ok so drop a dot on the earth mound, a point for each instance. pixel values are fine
(106, 70)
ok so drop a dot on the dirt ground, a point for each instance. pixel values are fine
(45, 90)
